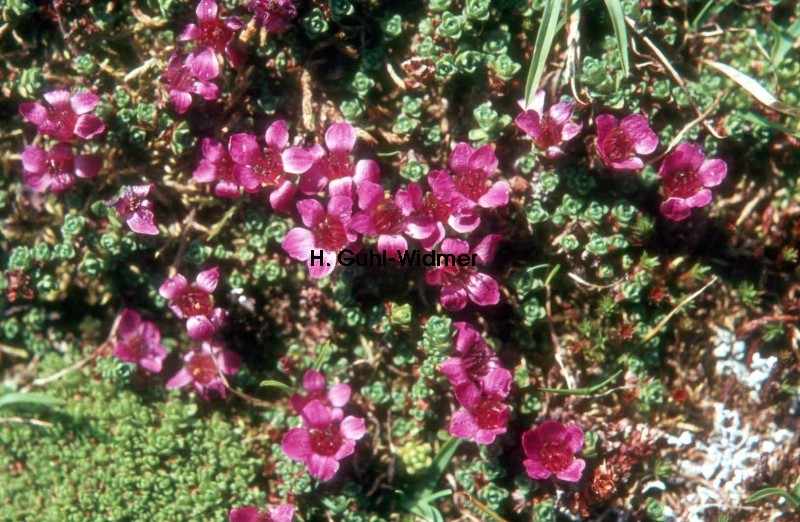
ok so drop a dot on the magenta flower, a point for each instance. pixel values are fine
(430, 211)
(273, 15)
(551, 448)
(182, 83)
(256, 167)
(327, 234)
(200, 369)
(217, 166)
(64, 117)
(282, 513)
(469, 187)
(133, 205)
(548, 129)
(334, 167)
(620, 144)
(324, 441)
(381, 216)
(462, 282)
(57, 170)
(473, 360)
(213, 38)
(686, 175)
(139, 342)
(314, 386)
(195, 303)
(483, 415)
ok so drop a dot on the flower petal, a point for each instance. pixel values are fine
(296, 444)
(277, 137)
(172, 287)
(712, 172)
(483, 290)
(340, 138)
(207, 280)
(84, 102)
(298, 243)
(200, 328)
(296, 160)
(573, 472)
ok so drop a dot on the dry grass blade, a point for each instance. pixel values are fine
(755, 89)
(657, 328)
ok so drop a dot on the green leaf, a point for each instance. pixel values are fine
(755, 89)
(768, 492)
(29, 399)
(541, 50)
(589, 390)
(620, 31)
(277, 384)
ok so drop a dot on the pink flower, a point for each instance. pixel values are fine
(548, 129)
(551, 448)
(57, 170)
(686, 175)
(314, 386)
(64, 117)
(195, 303)
(182, 83)
(473, 361)
(470, 186)
(324, 441)
(282, 513)
(213, 37)
(619, 145)
(483, 416)
(273, 15)
(381, 216)
(200, 369)
(430, 211)
(256, 167)
(327, 234)
(460, 282)
(217, 166)
(139, 342)
(136, 209)
(334, 168)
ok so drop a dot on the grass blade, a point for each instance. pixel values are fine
(541, 50)
(29, 399)
(768, 492)
(755, 89)
(620, 31)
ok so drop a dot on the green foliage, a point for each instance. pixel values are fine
(124, 456)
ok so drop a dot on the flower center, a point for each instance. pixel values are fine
(269, 170)
(457, 276)
(683, 183)
(202, 368)
(330, 235)
(472, 184)
(326, 442)
(617, 146)
(137, 346)
(556, 456)
(57, 165)
(489, 414)
(337, 166)
(479, 361)
(434, 208)
(195, 302)
(549, 133)
(387, 218)
(61, 118)
(214, 34)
